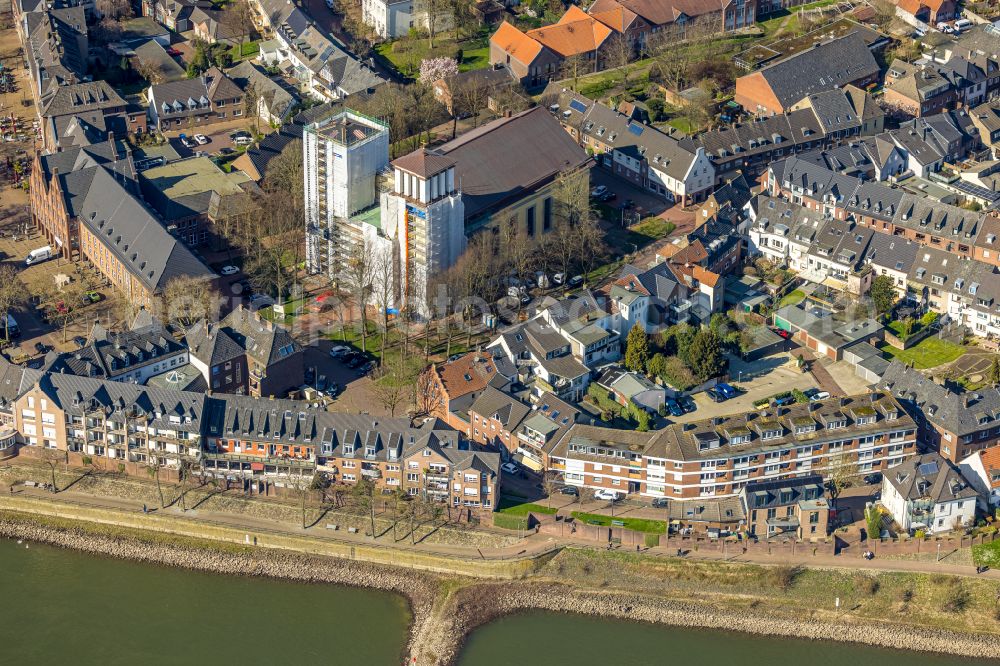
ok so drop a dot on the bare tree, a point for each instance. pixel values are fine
(358, 273)
(115, 10)
(842, 472)
(364, 496)
(392, 387)
(384, 293)
(468, 98)
(238, 17)
(438, 13)
(52, 458)
(428, 393)
(251, 105)
(11, 294)
(618, 54)
(573, 66)
(148, 70)
(153, 466)
(551, 484)
(188, 299)
(65, 303)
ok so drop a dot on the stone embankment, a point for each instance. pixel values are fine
(473, 606)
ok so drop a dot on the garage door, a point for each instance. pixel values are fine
(782, 324)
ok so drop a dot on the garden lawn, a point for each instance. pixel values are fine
(513, 506)
(929, 353)
(792, 298)
(637, 524)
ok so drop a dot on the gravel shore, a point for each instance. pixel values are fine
(441, 623)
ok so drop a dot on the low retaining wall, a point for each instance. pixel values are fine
(514, 567)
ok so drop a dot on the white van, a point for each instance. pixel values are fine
(38, 256)
(962, 24)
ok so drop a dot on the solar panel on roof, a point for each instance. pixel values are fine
(635, 129)
(577, 105)
(926, 469)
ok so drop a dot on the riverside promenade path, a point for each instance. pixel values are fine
(528, 548)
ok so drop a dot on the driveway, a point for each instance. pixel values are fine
(646, 203)
(758, 379)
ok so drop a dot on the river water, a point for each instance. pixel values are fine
(66, 607)
(550, 639)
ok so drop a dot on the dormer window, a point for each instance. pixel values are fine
(369, 451)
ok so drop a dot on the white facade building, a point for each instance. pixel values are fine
(424, 216)
(927, 493)
(343, 157)
(395, 18)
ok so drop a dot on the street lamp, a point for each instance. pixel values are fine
(938, 552)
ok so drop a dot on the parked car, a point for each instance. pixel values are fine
(559, 278)
(608, 196)
(41, 348)
(525, 299)
(201, 139)
(661, 503)
(79, 340)
(715, 395)
(366, 368)
(339, 350)
(607, 494)
(819, 395)
(171, 51)
(515, 292)
(229, 270)
(783, 333)
(243, 139)
(674, 407)
(569, 490)
(321, 383)
(874, 477)
(599, 191)
(575, 281)
(186, 142)
(510, 468)
(227, 151)
(726, 390)
(687, 404)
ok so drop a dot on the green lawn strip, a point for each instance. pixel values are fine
(513, 506)
(792, 298)
(508, 522)
(637, 524)
(929, 353)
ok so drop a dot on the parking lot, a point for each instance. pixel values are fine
(217, 134)
(39, 279)
(757, 380)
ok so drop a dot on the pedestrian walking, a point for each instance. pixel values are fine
(144, 508)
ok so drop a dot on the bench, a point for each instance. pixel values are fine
(331, 526)
(352, 530)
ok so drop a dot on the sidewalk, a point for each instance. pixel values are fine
(531, 546)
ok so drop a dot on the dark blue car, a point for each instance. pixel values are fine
(674, 408)
(725, 390)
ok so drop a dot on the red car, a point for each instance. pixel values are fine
(171, 51)
(783, 333)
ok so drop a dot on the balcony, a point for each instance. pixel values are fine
(371, 473)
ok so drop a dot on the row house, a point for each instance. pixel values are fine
(93, 103)
(636, 151)
(245, 438)
(144, 351)
(300, 48)
(108, 420)
(502, 421)
(246, 353)
(835, 63)
(820, 120)
(986, 120)
(719, 457)
(966, 291)
(954, 423)
(875, 205)
(786, 507)
(982, 469)
(454, 386)
(917, 91)
(209, 98)
(253, 437)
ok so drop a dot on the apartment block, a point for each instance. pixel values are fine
(719, 457)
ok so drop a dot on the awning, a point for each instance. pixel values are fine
(257, 467)
(528, 462)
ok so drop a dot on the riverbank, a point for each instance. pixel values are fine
(445, 609)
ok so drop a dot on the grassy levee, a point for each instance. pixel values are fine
(505, 569)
